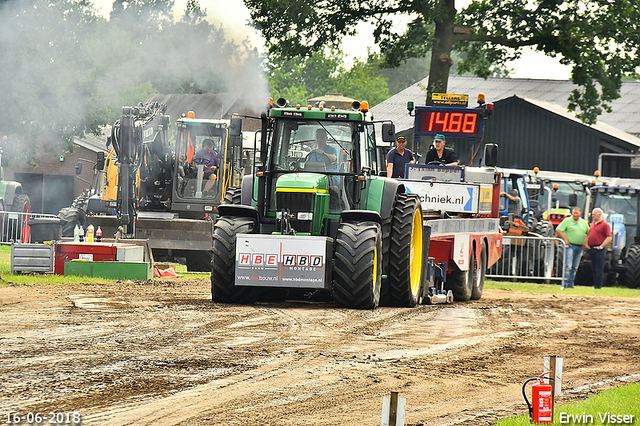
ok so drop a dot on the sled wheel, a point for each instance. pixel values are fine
(461, 282)
(480, 273)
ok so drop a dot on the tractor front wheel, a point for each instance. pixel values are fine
(223, 288)
(233, 195)
(358, 260)
(632, 266)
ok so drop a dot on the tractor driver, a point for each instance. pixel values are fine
(324, 152)
(439, 154)
(207, 156)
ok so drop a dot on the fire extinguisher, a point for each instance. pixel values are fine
(542, 398)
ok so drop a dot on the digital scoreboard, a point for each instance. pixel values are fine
(449, 121)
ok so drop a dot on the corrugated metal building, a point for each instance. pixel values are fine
(532, 126)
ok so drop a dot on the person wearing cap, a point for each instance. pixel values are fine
(398, 157)
(441, 154)
(515, 206)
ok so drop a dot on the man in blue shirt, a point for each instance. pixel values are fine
(398, 157)
(325, 153)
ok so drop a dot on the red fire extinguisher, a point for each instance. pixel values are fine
(541, 406)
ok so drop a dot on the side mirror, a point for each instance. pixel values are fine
(388, 132)
(3, 161)
(78, 167)
(235, 128)
(573, 200)
(491, 155)
(100, 160)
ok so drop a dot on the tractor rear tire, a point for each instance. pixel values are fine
(480, 273)
(223, 288)
(233, 195)
(544, 228)
(461, 282)
(632, 267)
(358, 261)
(19, 227)
(405, 252)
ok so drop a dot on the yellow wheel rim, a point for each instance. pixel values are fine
(375, 267)
(416, 253)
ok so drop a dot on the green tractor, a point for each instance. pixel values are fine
(316, 217)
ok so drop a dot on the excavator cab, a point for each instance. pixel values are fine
(193, 159)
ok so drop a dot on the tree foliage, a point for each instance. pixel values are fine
(598, 39)
(299, 79)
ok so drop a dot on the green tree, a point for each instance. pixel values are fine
(599, 40)
(299, 79)
(141, 18)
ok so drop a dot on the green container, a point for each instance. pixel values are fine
(112, 270)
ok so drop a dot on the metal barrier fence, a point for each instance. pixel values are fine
(530, 258)
(18, 227)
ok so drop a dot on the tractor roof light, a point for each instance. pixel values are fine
(355, 105)
(364, 106)
(596, 173)
(536, 170)
(309, 107)
(298, 106)
(410, 106)
(333, 107)
(191, 114)
(481, 99)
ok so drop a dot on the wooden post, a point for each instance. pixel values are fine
(552, 376)
(393, 409)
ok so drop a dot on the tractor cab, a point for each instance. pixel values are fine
(315, 166)
(193, 174)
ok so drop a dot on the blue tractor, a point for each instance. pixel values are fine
(619, 202)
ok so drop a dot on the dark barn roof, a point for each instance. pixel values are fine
(532, 126)
(532, 133)
(624, 115)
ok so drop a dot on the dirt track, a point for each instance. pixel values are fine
(163, 353)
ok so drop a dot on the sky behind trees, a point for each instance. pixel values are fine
(234, 17)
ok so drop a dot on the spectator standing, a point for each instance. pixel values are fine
(598, 238)
(398, 158)
(573, 230)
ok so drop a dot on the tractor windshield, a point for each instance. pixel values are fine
(313, 146)
(561, 197)
(619, 207)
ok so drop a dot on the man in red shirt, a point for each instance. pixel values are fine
(599, 236)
